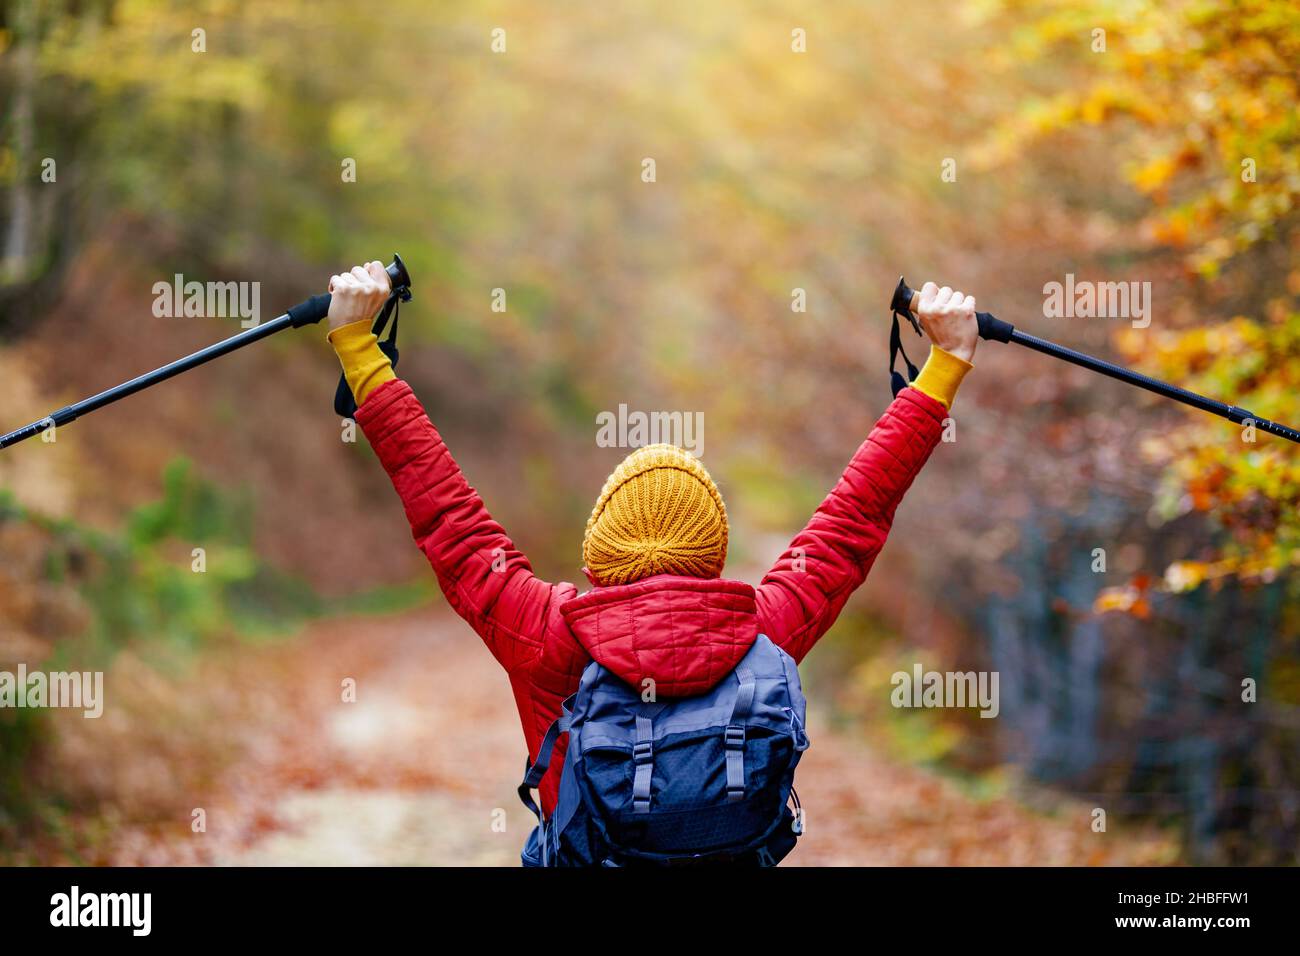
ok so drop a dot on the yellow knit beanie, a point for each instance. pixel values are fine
(659, 513)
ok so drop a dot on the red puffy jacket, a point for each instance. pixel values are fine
(684, 633)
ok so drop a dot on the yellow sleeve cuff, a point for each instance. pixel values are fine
(941, 375)
(364, 366)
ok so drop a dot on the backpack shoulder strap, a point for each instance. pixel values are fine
(534, 772)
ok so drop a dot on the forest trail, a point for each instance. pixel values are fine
(422, 769)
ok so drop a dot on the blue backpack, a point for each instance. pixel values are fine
(693, 780)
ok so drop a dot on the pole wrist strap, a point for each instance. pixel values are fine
(896, 381)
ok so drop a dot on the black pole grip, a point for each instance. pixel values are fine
(991, 327)
(309, 310)
(317, 307)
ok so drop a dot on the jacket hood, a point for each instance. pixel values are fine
(683, 633)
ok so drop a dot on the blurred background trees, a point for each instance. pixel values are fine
(776, 171)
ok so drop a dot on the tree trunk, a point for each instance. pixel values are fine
(18, 239)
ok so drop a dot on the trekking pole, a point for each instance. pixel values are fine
(306, 312)
(906, 301)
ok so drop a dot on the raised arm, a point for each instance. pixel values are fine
(803, 594)
(483, 575)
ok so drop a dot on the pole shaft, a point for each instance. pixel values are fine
(1094, 364)
(304, 313)
(71, 413)
(1231, 412)
(171, 369)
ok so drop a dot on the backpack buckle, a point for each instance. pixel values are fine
(734, 737)
(642, 752)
